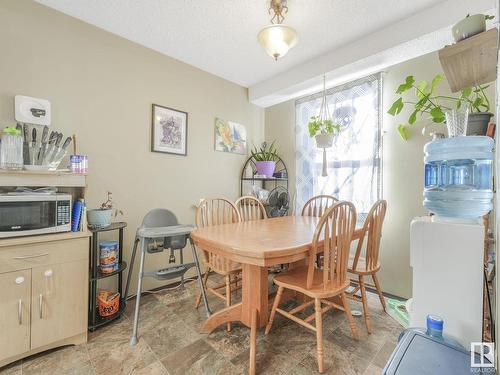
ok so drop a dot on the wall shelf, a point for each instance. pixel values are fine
(472, 61)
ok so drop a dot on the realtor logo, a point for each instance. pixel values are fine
(485, 356)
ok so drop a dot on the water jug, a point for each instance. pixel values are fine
(458, 177)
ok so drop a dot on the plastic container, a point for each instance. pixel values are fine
(435, 325)
(458, 177)
(108, 303)
(108, 256)
(11, 152)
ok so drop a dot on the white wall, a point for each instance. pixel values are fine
(101, 88)
(402, 168)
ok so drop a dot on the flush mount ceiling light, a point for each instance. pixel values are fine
(277, 38)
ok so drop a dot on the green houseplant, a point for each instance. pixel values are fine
(427, 104)
(265, 158)
(323, 130)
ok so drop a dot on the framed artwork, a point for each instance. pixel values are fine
(230, 137)
(169, 130)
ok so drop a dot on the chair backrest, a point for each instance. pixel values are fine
(216, 211)
(316, 206)
(159, 217)
(372, 229)
(333, 236)
(250, 208)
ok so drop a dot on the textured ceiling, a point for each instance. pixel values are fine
(219, 36)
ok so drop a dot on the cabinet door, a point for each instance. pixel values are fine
(15, 298)
(59, 300)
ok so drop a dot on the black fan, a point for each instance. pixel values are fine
(278, 202)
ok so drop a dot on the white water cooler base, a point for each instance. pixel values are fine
(447, 262)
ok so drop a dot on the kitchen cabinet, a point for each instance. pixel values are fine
(43, 293)
(15, 298)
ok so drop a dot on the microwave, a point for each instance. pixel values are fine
(32, 214)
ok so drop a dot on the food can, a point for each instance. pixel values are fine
(108, 256)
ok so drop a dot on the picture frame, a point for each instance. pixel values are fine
(169, 128)
(230, 137)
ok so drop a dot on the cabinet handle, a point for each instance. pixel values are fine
(31, 256)
(40, 305)
(20, 312)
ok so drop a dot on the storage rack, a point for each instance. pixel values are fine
(96, 321)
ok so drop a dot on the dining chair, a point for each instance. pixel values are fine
(318, 204)
(369, 264)
(210, 212)
(250, 208)
(332, 236)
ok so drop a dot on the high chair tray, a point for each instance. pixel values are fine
(160, 232)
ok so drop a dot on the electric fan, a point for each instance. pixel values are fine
(278, 202)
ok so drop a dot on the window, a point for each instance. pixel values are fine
(354, 160)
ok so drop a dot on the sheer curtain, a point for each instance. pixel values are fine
(354, 160)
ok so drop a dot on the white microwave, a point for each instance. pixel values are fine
(32, 214)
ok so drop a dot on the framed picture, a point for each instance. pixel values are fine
(169, 130)
(230, 137)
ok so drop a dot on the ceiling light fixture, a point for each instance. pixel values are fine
(277, 38)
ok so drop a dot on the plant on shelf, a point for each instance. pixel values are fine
(265, 159)
(101, 217)
(425, 103)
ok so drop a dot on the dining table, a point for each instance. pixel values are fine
(257, 245)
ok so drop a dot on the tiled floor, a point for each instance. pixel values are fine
(171, 344)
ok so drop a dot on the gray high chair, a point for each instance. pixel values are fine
(160, 231)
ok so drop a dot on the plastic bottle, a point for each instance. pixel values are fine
(11, 152)
(458, 177)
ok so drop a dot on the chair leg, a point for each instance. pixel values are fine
(205, 281)
(276, 303)
(319, 334)
(364, 299)
(379, 290)
(228, 297)
(348, 313)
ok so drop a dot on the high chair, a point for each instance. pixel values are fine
(160, 231)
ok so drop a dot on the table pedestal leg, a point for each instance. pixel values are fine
(254, 295)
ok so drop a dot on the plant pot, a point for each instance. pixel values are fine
(324, 140)
(468, 27)
(477, 123)
(99, 218)
(265, 168)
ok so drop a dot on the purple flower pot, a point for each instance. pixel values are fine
(265, 168)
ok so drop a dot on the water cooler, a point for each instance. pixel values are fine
(446, 250)
(447, 262)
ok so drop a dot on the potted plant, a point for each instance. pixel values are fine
(101, 217)
(265, 159)
(323, 130)
(426, 103)
(469, 26)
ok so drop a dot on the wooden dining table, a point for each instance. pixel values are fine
(257, 245)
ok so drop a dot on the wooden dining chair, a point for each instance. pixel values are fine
(250, 208)
(332, 236)
(369, 264)
(317, 205)
(210, 212)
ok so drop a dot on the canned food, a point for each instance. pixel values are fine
(108, 256)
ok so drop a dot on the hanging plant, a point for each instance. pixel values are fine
(322, 128)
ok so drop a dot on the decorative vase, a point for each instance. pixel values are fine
(324, 140)
(265, 168)
(468, 27)
(478, 123)
(99, 218)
